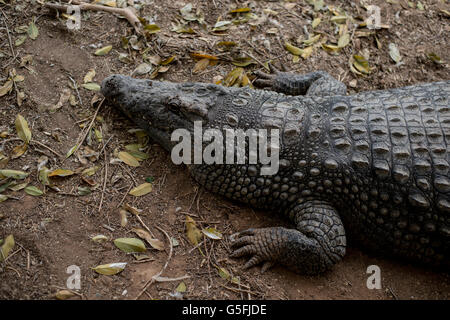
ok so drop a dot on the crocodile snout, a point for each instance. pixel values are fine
(113, 85)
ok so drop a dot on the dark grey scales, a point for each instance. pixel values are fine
(373, 166)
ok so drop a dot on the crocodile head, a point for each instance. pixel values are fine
(162, 107)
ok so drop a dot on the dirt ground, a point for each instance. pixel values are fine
(54, 230)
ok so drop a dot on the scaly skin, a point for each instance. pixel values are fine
(373, 166)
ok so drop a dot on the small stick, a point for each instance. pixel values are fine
(48, 148)
(90, 126)
(76, 89)
(125, 195)
(254, 58)
(238, 290)
(9, 37)
(104, 182)
(144, 225)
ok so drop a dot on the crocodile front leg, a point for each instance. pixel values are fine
(318, 83)
(318, 243)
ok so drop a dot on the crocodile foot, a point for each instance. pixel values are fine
(266, 80)
(259, 244)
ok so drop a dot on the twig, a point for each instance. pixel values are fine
(9, 37)
(105, 180)
(31, 142)
(127, 12)
(238, 290)
(79, 143)
(125, 195)
(156, 276)
(144, 225)
(48, 148)
(76, 89)
(165, 279)
(254, 58)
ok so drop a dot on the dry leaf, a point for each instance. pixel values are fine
(22, 129)
(110, 268)
(193, 233)
(130, 245)
(141, 190)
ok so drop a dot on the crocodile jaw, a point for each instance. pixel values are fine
(161, 107)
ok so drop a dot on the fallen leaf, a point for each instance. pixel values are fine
(33, 31)
(19, 150)
(435, 58)
(344, 40)
(64, 294)
(132, 209)
(99, 238)
(34, 191)
(92, 86)
(315, 23)
(89, 76)
(110, 268)
(7, 246)
(181, 287)
(61, 173)
(200, 65)
(22, 129)
(123, 217)
(141, 190)
(394, 53)
(130, 245)
(15, 174)
(155, 243)
(193, 233)
(84, 191)
(128, 159)
(64, 97)
(6, 88)
(103, 51)
(212, 233)
(151, 28)
(361, 64)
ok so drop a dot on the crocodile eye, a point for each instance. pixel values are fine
(201, 92)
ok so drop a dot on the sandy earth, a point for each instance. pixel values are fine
(54, 230)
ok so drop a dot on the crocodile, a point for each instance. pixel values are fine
(372, 167)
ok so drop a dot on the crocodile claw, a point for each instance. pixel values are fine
(266, 79)
(253, 243)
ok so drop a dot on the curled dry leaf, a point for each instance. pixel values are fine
(99, 238)
(123, 217)
(103, 51)
(193, 233)
(132, 209)
(110, 268)
(92, 86)
(6, 88)
(155, 243)
(64, 294)
(212, 233)
(61, 173)
(89, 76)
(394, 53)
